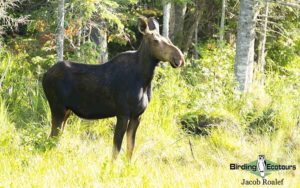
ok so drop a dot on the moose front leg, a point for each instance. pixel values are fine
(121, 126)
(131, 131)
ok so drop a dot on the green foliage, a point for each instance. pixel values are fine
(87, 53)
(9, 20)
(283, 36)
(211, 78)
(20, 86)
(262, 123)
(202, 93)
(8, 132)
(214, 101)
(196, 124)
(201, 123)
(281, 53)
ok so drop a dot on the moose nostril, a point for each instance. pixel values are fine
(178, 62)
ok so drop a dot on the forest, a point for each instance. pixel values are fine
(236, 98)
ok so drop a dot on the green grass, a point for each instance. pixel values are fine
(165, 155)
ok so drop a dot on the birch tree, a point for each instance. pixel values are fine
(222, 24)
(60, 31)
(245, 44)
(166, 18)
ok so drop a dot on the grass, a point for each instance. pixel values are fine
(165, 155)
(160, 160)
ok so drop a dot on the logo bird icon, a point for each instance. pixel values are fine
(261, 165)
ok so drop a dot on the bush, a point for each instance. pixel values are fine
(263, 122)
(9, 137)
(199, 123)
(21, 87)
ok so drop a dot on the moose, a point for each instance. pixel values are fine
(120, 87)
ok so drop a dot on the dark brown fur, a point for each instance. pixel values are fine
(120, 87)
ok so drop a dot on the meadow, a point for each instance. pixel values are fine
(171, 150)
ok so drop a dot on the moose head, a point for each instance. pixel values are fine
(160, 47)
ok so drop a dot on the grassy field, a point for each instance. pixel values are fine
(165, 154)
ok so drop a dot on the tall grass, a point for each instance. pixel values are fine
(165, 154)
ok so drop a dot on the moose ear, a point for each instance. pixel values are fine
(143, 25)
(153, 24)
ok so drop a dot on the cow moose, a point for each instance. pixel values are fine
(120, 87)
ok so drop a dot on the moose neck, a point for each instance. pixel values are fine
(147, 63)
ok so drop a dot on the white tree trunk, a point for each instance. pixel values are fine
(222, 24)
(99, 37)
(245, 44)
(166, 19)
(60, 31)
(103, 46)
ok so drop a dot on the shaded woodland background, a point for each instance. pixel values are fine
(237, 97)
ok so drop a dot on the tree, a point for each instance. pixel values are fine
(166, 18)
(7, 20)
(99, 36)
(262, 37)
(245, 44)
(185, 17)
(222, 24)
(92, 25)
(177, 22)
(60, 31)
(193, 16)
(279, 22)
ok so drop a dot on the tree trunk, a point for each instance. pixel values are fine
(79, 37)
(166, 19)
(193, 16)
(172, 22)
(261, 61)
(222, 24)
(60, 31)
(245, 44)
(196, 53)
(99, 37)
(103, 47)
(179, 13)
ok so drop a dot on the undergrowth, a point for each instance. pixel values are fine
(201, 94)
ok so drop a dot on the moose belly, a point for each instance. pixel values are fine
(92, 107)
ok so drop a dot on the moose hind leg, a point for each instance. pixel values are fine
(67, 115)
(121, 126)
(58, 116)
(131, 132)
